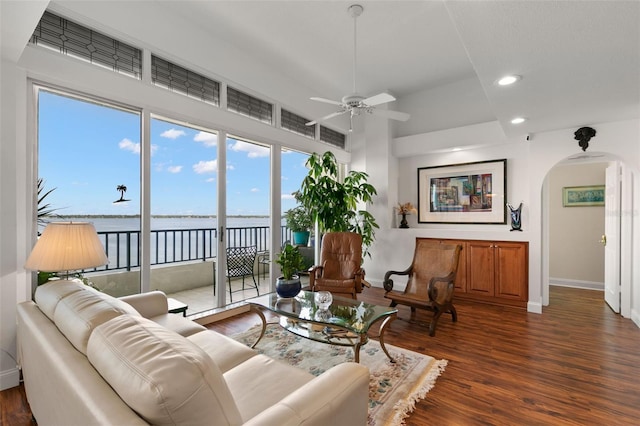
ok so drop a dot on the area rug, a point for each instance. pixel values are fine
(394, 389)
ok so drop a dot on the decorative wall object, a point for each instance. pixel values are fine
(516, 217)
(583, 196)
(463, 193)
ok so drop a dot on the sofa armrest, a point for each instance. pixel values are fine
(149, 304)
(339, 396)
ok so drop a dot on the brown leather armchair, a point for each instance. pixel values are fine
(431, 280)
(340, 271)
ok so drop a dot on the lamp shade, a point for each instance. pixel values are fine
(67, 246)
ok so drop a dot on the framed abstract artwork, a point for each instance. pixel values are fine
(581, 196)
(463, 193)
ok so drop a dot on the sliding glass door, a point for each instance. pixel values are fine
(89, 158)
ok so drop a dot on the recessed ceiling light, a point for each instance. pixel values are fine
(509, 79)
(518, 120)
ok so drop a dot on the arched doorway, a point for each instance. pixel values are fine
(573, 251)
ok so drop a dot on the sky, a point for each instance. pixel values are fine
(86, 150)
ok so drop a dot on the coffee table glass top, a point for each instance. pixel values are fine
(350, 314)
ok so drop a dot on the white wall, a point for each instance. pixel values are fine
(528, 164)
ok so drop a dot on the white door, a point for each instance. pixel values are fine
(611, 238)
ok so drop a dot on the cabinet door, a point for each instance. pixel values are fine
(461, 274)
(511, 270)
(480, 272)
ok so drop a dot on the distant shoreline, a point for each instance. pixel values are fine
(156, 216)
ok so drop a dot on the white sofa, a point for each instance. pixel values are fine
(88, 358)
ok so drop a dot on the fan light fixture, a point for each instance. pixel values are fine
(356, 104)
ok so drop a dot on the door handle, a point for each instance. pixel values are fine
(603, 240)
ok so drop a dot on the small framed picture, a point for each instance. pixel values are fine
(583, 196)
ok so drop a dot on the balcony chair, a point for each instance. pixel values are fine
(240, 263)
(340, 270)
(431, 280)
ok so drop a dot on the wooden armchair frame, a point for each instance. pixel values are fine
(430, 282)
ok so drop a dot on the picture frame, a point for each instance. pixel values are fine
(472, 193)
(583, 196)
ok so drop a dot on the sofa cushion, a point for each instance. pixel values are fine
(49, 295)
(78, 312)
(276, 381)
(181, 325)
(161, 375)
(226, 352)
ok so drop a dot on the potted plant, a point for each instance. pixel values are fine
(333, 203)
(291, 262)
(299, 221)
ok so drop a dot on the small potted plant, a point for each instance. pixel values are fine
(291, 262)
(299, 221)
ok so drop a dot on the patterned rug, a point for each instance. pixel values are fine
(394, 389)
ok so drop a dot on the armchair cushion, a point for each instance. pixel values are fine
(341, 261)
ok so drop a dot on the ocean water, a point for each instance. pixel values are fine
(110, 224)
(173, 239)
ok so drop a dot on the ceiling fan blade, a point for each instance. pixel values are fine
(394, 115)
(325, 118)
(326, 101)
(381, 98)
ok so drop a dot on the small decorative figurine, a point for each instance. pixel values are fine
(516, 218)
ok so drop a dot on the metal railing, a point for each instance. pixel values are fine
(179, 245)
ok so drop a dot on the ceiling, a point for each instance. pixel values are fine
(579, 60)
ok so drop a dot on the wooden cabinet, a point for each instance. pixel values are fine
(493, 272)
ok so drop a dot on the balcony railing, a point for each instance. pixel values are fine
(179, 245)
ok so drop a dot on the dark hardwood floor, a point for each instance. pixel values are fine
(576, 364)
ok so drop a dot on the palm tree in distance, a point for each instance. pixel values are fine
(122, 189)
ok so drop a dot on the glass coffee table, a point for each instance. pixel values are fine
(345, 323)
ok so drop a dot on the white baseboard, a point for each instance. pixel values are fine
(9, 378)
(587, 285)
(534, 307)
(635, 317)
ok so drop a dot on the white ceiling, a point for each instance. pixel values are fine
(580, 60)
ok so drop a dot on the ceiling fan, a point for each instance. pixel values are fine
(356, 104)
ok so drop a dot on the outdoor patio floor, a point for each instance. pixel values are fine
(201, 299)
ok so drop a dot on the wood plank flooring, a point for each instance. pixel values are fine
(576, 364)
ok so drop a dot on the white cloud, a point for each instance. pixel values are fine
(174, 169)
(255, 190)
(288, 197)
(202, 167)
(252, 150)
(127, 145)
(210, 180)
(172, 133)
(208, 139)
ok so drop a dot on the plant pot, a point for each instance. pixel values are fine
(301, 238)
(288, 288)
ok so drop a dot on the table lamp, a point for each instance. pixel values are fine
(67, 246)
